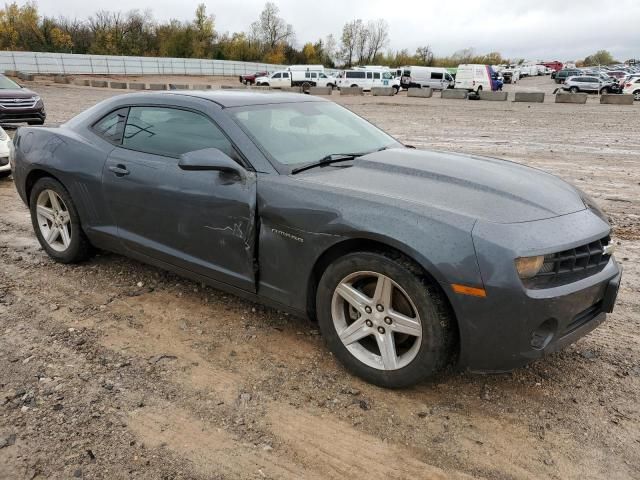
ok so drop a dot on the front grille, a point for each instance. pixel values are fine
(17, 103)
(571, 265)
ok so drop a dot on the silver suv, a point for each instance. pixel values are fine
(589, 84)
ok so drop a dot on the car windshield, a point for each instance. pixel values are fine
(297, 133)
(5, 83)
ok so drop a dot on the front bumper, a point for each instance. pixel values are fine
(33, 115)
(514, 325)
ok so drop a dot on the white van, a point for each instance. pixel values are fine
(437, 78)
(367, 78)
(474, 77)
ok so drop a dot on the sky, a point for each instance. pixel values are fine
(530, 29)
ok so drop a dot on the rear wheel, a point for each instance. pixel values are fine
(383, 320)
(636, 95)
(56, 222)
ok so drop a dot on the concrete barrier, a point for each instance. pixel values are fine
(201, 86)
(580, 98)
(420, 92)
(382, 91)
(236, 87)
(529, 97)
(494, 96)
(137, 86)
(99, 83)
(178, 86)
(292, 89)
(82, 82)
(320, 90)
(616, 99)
(157, 86)
(61, 79)
(118, 85)
(27, 77)
(10, 73)
(351, 91)
(456, 93)
(256, 87)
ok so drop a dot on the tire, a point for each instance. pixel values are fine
(396, 89)
(416, 356)
(574, 89)
(305, 87)
(636, 95)
(605, 91)
(70, 248)
(479, 89)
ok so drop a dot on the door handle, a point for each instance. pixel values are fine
(119, 170)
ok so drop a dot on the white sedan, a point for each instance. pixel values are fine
(5, 141)
(632, 87)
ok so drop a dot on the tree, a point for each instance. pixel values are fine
(204, 33)
(601, 57)
(270, 28)
(424, 55)
(350, 38)
(377, 38)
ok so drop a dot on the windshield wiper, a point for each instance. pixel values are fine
(327, 160)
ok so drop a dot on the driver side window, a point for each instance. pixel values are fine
(171, 132)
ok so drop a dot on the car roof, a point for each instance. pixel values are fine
(244, 97)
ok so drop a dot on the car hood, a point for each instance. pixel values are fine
(483, 188)
(16, 93)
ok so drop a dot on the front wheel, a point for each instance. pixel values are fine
(383, 320)
(396, 89)
(56, 222)
(573, 89)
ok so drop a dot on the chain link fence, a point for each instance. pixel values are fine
(67, 63)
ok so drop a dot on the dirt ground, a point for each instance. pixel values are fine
(113, 369)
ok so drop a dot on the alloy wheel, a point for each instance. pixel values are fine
(376, 320)
(54, 220)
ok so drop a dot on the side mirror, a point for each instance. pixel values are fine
(211, 159)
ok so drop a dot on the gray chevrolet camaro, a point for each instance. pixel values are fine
(409, 259)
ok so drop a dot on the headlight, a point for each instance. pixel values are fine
(528, 267)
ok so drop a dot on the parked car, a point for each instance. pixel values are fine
(632, 87)
(475, 78)
(297, 78)
(589, 85)
(368, 78)
(19, 104)
(563, 74)
(407, 258)
(250, 79)
(437, 78)
(5, 146)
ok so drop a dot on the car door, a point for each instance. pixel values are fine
(276, 80)
(286, 80)
(201, 221)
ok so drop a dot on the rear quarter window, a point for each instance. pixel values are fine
(111, 126)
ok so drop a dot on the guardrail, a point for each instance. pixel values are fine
(68, 63)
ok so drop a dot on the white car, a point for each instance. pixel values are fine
(632, 87)
(5, 142)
